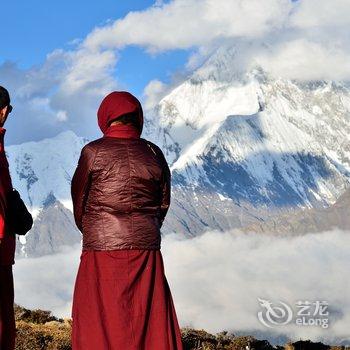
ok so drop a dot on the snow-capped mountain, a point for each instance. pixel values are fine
(243, 148)
(41, 169)
(42, 172)
(54, 227)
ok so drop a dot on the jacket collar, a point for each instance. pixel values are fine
(125, 131)
(2, 134)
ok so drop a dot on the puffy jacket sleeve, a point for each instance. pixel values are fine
(2, 215)
(80, 183)
(165, 189)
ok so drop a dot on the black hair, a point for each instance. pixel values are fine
(4, 97)
(128, 118)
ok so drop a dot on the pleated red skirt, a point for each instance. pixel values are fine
(122, 301)
(7, 316)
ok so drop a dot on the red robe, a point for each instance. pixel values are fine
(7, 247)
(7, 253)
(122, 299)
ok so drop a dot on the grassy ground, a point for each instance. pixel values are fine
(40, 330)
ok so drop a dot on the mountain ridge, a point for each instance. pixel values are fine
(243, 149)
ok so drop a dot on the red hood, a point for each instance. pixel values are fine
(115, 105)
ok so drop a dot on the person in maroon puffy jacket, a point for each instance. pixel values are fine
(121, 195)
(7, 239)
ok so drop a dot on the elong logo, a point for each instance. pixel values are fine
(308, 314)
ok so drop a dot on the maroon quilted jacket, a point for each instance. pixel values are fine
(121, 187)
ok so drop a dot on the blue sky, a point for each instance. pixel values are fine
(30, 31)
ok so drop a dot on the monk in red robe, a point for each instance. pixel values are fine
(121, 195)
(7, 239)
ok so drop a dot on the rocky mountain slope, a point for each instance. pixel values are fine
(309, 220)
(53, 228)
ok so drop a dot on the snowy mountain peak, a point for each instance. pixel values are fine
(227, 64)
(193, 112)
(45, 167)
(269, 141)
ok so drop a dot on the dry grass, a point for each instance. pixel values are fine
(40, 330)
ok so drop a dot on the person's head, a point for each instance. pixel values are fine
(5, 105)
(120, 107)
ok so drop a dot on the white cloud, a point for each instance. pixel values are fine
(63, 93)
(62, 116)
(47, 282)
(88, 70)
(187, 23)
(321, 13)
(158, 3)
(153, 92)
(305, 60)
(216, 279)
(304, 40)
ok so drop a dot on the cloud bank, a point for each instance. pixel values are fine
(182, 24)
(217, 278)
(62, 93)
(304, 40)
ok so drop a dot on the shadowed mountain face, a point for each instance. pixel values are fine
(53, 229)
(309, 220)
(243, 150)
(229, 197)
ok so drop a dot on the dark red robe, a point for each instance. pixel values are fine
(122, 300)
(7, 253)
